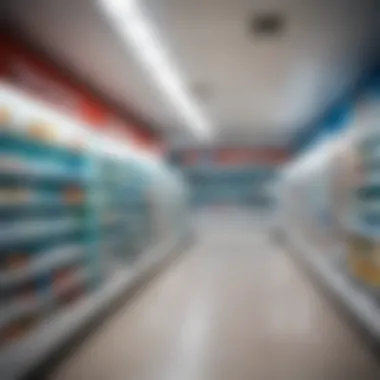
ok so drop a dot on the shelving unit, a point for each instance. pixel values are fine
(226, 175)
(367, 195)
(77, 229)
(122, 201)
(342, 256)
(361, 304)
(19, 359)
(43, 211)
(239, 184)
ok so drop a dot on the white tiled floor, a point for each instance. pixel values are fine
(234, 307)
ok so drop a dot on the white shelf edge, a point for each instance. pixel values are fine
(30, 231)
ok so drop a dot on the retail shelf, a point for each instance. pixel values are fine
(371, 154)
(24, 232)
(114, 221)
(369, 206)
(20, 358)
(31, 174)
(358, 227)
(368, 192)
(42, 263)
(372, 178)
(10, 136)
(114, 242)
(13, 205)
(116, 195)
(360, 303)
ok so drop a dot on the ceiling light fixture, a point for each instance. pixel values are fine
(137, 30)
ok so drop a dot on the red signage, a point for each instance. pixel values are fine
(233, 156)
(29, 72)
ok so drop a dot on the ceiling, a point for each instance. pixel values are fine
(255, 88)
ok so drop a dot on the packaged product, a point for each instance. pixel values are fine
(17, 330)
(73, 195)
(14, 261)
(5, 115)
(61, 278)
(41, 131)
(364, 259)
(72, 296)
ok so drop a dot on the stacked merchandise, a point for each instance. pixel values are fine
(237, 178)
(242, 184)
(124, 209)
(329, 198)
(74, 218)
(43, 227)
(364, 236)
(112, 212)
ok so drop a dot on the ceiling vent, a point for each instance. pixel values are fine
(267, 24)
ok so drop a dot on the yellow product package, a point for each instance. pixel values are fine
(364, 259)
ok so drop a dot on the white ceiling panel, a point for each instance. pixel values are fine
(268, 85)
(261, 88)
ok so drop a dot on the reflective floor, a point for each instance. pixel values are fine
(233, 307)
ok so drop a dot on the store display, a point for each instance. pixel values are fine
(22, 282)
(76, 215)
(363, 220)
(238, 184)
(329, 212)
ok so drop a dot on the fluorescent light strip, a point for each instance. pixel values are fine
(133, 26)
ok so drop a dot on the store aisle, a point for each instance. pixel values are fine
(233, 307)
